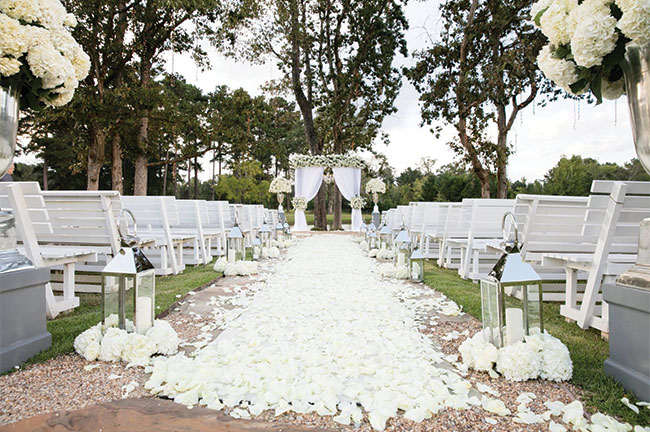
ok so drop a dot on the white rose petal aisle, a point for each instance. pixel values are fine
(292, 353)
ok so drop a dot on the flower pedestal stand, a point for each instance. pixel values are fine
(375, 210)
(23, 331)
(629, 321)
(281, 217)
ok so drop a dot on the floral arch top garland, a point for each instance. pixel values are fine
(327, 161)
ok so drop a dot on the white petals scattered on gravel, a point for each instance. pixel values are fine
(315, 340)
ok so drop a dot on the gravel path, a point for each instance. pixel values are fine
(200, 318)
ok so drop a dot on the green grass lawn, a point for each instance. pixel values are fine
(588, 350)
(67, 326)
(346, 218)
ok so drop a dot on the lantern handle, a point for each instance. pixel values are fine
(128, 240)
(503, 227)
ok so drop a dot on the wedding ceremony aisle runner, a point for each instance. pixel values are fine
(324, 334)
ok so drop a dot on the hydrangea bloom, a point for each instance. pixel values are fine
(280, 185)
(635, 22)
(595, 33)
(375, 186)
(36, 33)
(518, 362)
(164, 336)
(561, 72)
(87, 344)
(556, 23)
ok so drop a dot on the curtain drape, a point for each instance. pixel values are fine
(308, 181)
(348, 181)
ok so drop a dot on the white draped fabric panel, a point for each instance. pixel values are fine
(348, 181)
(308, 181)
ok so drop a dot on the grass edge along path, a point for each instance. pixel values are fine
(588, 350)
(65, 327)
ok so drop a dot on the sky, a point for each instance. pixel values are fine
(540, 137)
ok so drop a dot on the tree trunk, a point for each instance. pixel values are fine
(502, 165)
(305, 105)
(337, 201)
(44, 174)
(196, 178)
(117, 180)
(174, 179)
(140, 177)
(96, 154)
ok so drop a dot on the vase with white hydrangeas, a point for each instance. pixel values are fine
(41, 65)
(280, 186)
(299, 204)
(374, 187)
(602, 46)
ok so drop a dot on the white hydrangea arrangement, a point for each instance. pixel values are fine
(540, 355)
(299, 203)
(357, 202)
(587, 42)
(111, 344)
(375, 186)
(386, 253)
(237, 268)
(327, 161)
(390, 270)
(38, 55)
(280, 185)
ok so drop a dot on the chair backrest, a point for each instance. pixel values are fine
(190, 213)
(150, 212)
(486, 217)
(433, 218)
(631, 199)
(417, 216)
(453, 220)
(551, 224)
(27, 204)
(84, 217)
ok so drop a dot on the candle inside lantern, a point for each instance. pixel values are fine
(231, 255)
(514, 325)
(143, 317)
(415, 271)
(400, 259)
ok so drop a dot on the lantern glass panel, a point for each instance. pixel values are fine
(417, 273)
(145, 300)
(491, 312)
(532, 305)
(117, 304)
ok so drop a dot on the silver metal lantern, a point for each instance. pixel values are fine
(279, 231)
(505, 325)
(287, 230)
(129, 270)
(402, 247)
(235, 244)
(257, 248)
(265, 235)
(372, 240)
(385, 237)
(417, 266)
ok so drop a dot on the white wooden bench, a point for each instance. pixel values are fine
(433, 225)
(154, 222)
(87, 219)
(456, 227)
(484, 224)
(193, 217)
(415, 223)
(614, 212)
(549, 224)
(33, 220)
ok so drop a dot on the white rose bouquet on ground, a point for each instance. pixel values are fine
(299, 203)
(375, 186)
(357, 202)
(587, 42)
(280, 185)
(38, 55)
